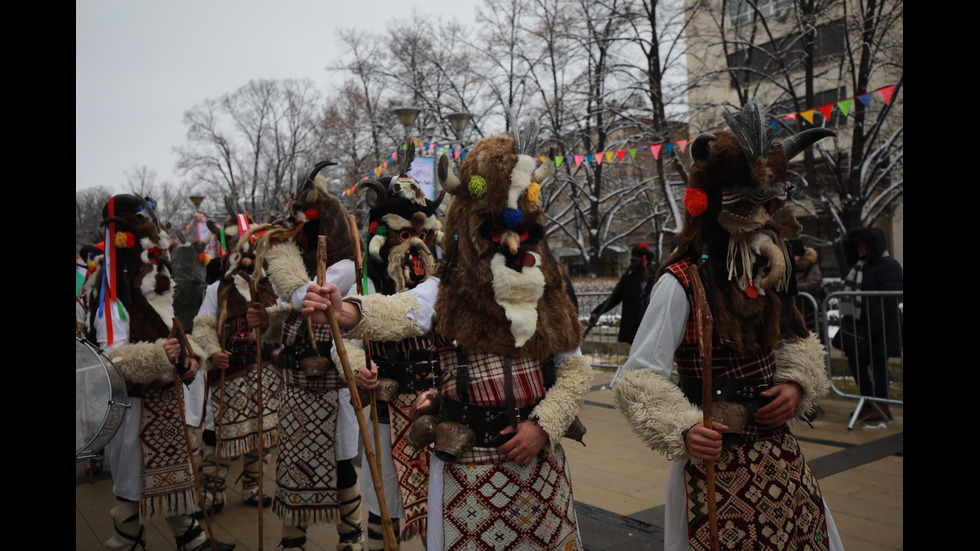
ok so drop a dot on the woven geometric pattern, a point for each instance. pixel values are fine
(413, 472)
(306, 469)
(168, 479)
(767, 499)
(510, 506)
(239, 422)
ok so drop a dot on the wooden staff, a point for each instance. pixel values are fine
(705, 325)
(391, 542)
(177, 331)
(222, 318)
(254, 292)
(359, 274)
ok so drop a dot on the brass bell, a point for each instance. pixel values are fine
(425, 403)
(315, 367)
(452, 439)
(421, 433)
(386, 390)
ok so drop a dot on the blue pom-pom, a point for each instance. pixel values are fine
(512, 217)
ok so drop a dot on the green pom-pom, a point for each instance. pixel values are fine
(477, 186)
(381, 230)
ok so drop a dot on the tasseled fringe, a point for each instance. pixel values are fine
(238, 446)
(416, 528)
(740, 253)
(304, 517)
(172, 505)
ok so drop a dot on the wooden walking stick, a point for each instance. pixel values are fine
(260, 417)
(391, 542)
(359, 274)
(222, 318)
(704, 321)
(177, 331)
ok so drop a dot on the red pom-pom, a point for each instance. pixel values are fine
(696, 201)
(373, 227)
(643, 246)
(312, 214)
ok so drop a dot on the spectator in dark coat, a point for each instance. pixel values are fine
(879, 317)
(809, 279)
(633, 291)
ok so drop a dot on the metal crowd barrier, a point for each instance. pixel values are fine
(862, 342)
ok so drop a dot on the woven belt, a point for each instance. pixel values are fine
(486, 421)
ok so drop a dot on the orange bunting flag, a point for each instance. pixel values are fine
(681, 144)
(808, 115)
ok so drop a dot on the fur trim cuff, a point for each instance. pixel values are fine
(355, 355)
(657, 411)
(386, 317)
(142, 362)
(286, 270)
(561, 404)
(205, 336)
(277, 313)
(803, 361)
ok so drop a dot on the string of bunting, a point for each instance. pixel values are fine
(669, 148)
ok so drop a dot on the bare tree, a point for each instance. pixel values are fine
(88, 214)
(252, 143)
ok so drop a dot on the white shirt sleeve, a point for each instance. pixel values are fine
(210, 303)
(339, 273)
(662, 328)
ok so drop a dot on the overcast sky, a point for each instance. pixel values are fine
(140, 64)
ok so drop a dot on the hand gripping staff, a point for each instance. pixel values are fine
(704, 321)
(177, 331)
(391, 542)
(359, 276)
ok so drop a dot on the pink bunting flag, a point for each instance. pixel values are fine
(578, 160)
(681, 144)
(655, 149)
(598, 159)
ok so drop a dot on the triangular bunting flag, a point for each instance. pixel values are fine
(385, 165)
(455, 155)
(886, 93)
(558, 160)
(791, 117)
(620, 154)
(609, 155)
(632, 153)
(598, 159)
(393, 156)
(866, 99)
(670, 148)
(826, 110)
(808, 115)
(578, 160)
(845, 106)
(655, 149)
(682, 144)
(588, 159)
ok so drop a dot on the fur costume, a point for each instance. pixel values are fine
(316, 481)
(737, 223)
(501, 297)
(234, 394)
(131, 317)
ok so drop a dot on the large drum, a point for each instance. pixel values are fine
(100, 400)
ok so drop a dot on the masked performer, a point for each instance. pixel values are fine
(765, 366)
(514, 379)
(152, 471)
(223, 331)
(404, 232)
(316, 481)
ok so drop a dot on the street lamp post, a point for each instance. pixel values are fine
(407, 115)
(458, 121)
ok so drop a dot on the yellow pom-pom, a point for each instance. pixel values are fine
(477, 186)
(533, 191)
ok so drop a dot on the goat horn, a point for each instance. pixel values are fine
(795, 144)
(700, 149)
(379, 198)
(448, 179)
(777, 264)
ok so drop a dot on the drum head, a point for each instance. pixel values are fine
(100, 400)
